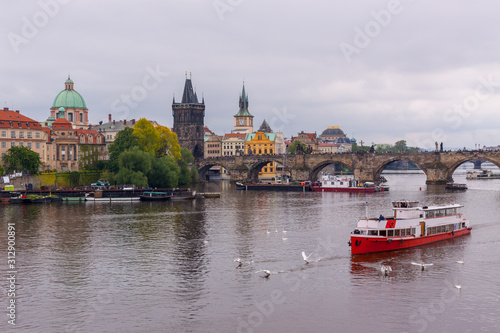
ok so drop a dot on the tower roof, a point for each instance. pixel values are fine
(265, 127)
(69, 98)
(189, 95)
(243, 105)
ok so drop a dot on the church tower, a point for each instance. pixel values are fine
(189, 121)
(243, 120)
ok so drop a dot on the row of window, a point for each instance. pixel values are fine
(254, 151)
(444, 228)
(388, 232)
(440, 212)
(20, 134)
(21, 144)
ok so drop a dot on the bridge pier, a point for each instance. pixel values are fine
(364, 174)
(437, 173)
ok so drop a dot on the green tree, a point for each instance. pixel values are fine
(297, 147)
(22, 158)
(186, 156)
(169, 144)
(164, 173)
(124, 140)
(194, 174)
(74, 178)
(2, 170)
(136, 160)
(130, 177)
(400, 146)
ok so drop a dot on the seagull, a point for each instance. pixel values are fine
(385, 269)
(268, 232)
(458, 286)
(284, 231)
(421, 265)
(284, 238)
(306, 258)
(276, 230)
(460, 262)
(266, 272)
(239, 261)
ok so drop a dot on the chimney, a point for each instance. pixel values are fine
(113, 121)
(109, 117)
(124, 121)
(17, 111)
(133, 121)
(6, 109)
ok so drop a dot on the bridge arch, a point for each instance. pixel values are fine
(458, 163)
(316, 169)
(255, 168)
(203, 170)
(379, 169)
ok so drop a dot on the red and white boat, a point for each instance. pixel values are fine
(331, 183)
(412, 225)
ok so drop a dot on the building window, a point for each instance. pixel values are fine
(70, 117)
(29, 145)
(30, 135)
(12, 134)
(4, 144)
(37, 135)
(12, 144)
(38, 145)
(81, 117)
(21, 134)
(4, 134)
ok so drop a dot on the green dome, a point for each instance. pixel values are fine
(69, 99)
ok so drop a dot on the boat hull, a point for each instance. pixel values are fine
(344, 189)
(362, 244)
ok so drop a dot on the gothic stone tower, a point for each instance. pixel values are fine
(189, 124)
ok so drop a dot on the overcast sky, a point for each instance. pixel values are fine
(422, 71)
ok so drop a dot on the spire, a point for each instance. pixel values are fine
(189, 96)
(243, 104)
(265, 127)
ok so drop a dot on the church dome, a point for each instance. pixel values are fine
(69, 98)
(333, 130)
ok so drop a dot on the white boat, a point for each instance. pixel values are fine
(485, 174)
(411, 225)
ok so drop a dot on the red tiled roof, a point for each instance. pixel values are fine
(61, 123)
(235, 135)
(8, 117)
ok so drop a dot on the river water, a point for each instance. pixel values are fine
(169, 267)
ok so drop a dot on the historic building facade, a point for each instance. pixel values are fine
(17, 130)
(243, 120)
(189, 117)
(73, 103)
(262, 143)
(233, 144)
(309, 139)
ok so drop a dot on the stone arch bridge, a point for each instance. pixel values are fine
(437, 166)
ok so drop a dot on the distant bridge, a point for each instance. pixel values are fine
(437, 166)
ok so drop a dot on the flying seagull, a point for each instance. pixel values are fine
(266, 272)
(306, 258)
(421, 265)
(385, 270)
(460, 262)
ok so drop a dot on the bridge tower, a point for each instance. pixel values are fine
(189, 120)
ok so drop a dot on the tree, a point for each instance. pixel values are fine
(169, 145)
(297, 147)
(22, 158)
(148, 137)
(2, 170)
(124, 140)
(164, 172)
(126, 176)
(136, 160)
(400, 146)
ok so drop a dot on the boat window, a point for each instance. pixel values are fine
(373, 232)
(396, 232)
(363, 232)
(390, 233)
(413, 231)
(382, 232)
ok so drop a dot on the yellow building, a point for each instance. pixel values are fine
(261, 143)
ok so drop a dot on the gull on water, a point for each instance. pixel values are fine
(239, 261)
(421, 265)
(385, 269)
(306, 258)
(459, 261)
(284, 231)
(458, 286)
(265, 271)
